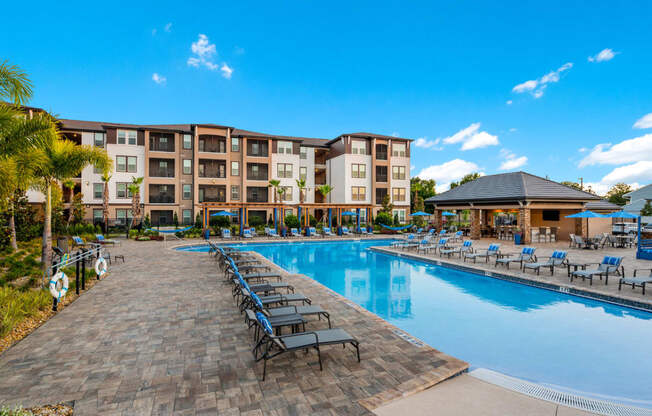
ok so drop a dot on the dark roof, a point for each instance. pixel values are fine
(308, 141)
(367, 136)
(603, 205)
(513, 186)
(68, 124)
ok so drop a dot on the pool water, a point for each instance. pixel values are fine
(562, 341)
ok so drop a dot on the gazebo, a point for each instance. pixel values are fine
(531, 200)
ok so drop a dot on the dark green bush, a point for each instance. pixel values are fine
(383, 218)
(291, 221)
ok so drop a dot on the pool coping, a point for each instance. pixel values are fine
(566, 289)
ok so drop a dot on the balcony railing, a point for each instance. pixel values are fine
(161, 199)
(162, 173)
(381, 155)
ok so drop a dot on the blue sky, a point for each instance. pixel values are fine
(486, 87)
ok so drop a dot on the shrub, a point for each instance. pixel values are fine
(98, 229)
(90, 229)
(313, 221)
(175, 219)
(396, 221)
(256, 221)
(291, 221)
(383, 218)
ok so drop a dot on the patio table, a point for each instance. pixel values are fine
(576, 266)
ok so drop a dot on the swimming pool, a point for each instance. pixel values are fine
(562, 341)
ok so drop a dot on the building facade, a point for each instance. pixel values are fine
(184, 165)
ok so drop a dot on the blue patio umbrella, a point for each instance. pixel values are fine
(348, 214)
(587, 215)
(448, 214)
(621, 214)
(223, 214)
(420, 214)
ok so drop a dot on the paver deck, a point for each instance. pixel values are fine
(161, 335)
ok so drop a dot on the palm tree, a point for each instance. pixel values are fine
(105, 200)
(61, 159)
(301, 184)
(324, 190)
(275, 183)
(14, 83)
(134, 188)
(70, 184)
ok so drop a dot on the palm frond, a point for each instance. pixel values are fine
(14, 83)
(20, 133)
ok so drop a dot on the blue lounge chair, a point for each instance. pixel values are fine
(327, 231)
(403, 242)
(99, 238)
(313, 232)
(78, 241)
(493, 250)
(636, 281)
(466, 247)
(226, 233)
(294, 232)
(458, 236)
(345, 231)
(608, 265)
(527, 254)
(272, 233)
(557, 259)
(246, 233)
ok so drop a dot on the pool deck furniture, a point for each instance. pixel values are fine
(246, 233)
(644, 249)
(295, 321)
(557, 259)
(99, 239)
(346, 231)
(226, 233)
(294, 232)
(637, 281)
(526, 255)
(609, 264)
(326, 231)
(466, 247)
(272, 345)
(493, 250)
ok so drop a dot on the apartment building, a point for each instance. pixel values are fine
(184, 165)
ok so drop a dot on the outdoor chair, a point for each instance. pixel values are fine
(265, 288)
(247, 299)
(527, 254)
(466, 247)
(78, 242)
(557, 259)
(458, 236)
(636, 281)
(294, 232)
(271, 345)
(272, 233)
(226, 233)
(424, 246)
(326, 231)
(313, 232)
(581, 243)
(608, 265)
(493, 250)
(99, 238)
(403, 242)
(246, 233)
(303, 310)
(345, 231)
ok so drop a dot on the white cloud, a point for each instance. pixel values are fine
(512, 130)
(480, 140)
(582, 149)
(536, 87)
(427, 144)
(412, 167)
(509, 102)
(203, 48)
(644, 122)
(159, 79)
(627, 151)
(168, 27)
(633, 174)
(603, 56)
(463, 134)
(511, 161)
(447, 172)
(226, 71)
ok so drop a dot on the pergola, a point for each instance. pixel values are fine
(333, 210)
(536, 201)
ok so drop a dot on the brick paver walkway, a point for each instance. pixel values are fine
(161, 335)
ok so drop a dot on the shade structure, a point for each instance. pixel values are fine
(448, 214)
(348, 214)
(420, 214)
(621, 214)
(223, 214)
(586, 214)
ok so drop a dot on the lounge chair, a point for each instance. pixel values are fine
(326, 231)
(272, 233)
(246, 233)
(636, 281)
(440, 245)
(608, 265)
(313, 232)
(303, 310)
(581, 243)
(272, 345)
(276, 298)
(257, 288)
(458, 236)
(466, 247)
(345, 231)
(77, 241)
(294, 232)
(403, 242)
(99, 238)
(557, 259)
(527, 254)
(493, 250)
(424, 245)
(226, 233)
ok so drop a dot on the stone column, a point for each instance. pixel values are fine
(437, 219)
(585, 227)
(475, 224)
(579, 226)
(524, 223)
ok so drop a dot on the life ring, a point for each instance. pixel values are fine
(100, 266)
(58, 294)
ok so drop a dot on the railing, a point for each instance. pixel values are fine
(161, 173)
(161, 147)
(381, 155)
(161, 199)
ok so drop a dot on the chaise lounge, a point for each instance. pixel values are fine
(557, 259)
(636, 281)
(608, 265)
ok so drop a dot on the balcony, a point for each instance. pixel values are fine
(212, 168)
(161, 194)
(320, 156)
(380, 195)
(257, 148)
(381, 174)
(212, 144)
(257, 171)
(161, 142)
(257, 194)
(212, 193)
(320, 177)
(381, 152)
(161, 168)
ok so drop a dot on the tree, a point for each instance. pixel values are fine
(134, 188)
(647, 209)
(467, 178)
(425, 188)
(77, 207)
(301, 184)
(105, 200)
(274, 184)
(387, 204)
(14, 83)
(572, 184)
(324, 190)
(61, 159)
(70, 184)
(615, 194)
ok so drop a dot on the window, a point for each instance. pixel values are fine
(359, 147)
(303, 152)
(284, 170)
(381, 193)
(235, 193)
(98, 216)
(398, 194)
(187, 141)
(287, 193)
(398, 172)
(235, 168)
(235, 144)
(398, 149)
(303, 172)
(125, 164)
(381, 173)
(123, 216)
(284, 147)
(400, 213)
(132, 137)
(358, 170)
(187, 166)
(98, 190)
(187, 216)
(550, 215)
(358, 193)
(187, 191)
(257, 148)
(97, 170)
(381, 152)
(126, 136)
(122, 190)
(98, 139)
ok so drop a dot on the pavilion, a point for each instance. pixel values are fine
(531, 200)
